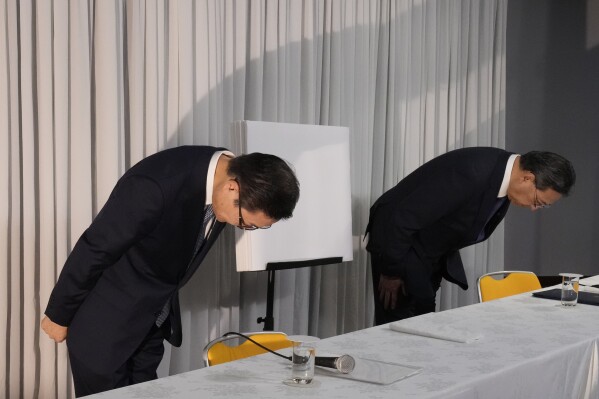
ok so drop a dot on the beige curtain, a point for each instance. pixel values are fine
(88, 88)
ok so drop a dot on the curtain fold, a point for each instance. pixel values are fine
(88, 88)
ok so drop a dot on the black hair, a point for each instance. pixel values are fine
(550, 170)
(266, 183)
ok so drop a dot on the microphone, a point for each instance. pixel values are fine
(345, 363)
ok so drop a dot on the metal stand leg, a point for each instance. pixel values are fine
(269, 320)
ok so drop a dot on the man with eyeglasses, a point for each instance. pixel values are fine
(416, 228)
(116, 299)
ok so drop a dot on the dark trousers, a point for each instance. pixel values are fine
(140, 367)
(421, 283)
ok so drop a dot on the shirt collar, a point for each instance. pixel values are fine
(212, 171)
(506, 176)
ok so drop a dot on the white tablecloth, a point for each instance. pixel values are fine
(528, 348)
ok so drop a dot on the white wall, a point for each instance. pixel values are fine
(553, 104)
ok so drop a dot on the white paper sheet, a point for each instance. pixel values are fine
(374, 371)
(428, 327)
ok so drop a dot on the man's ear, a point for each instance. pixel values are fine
(232, 185)
(529, 176)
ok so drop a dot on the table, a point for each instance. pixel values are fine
(530, 348)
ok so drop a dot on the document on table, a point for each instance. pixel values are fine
(589, 281)
(374, 371)
(427, 326)
(590, 284)
(584, 297)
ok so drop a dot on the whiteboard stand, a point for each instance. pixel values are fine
(320, 157)
(272, 267)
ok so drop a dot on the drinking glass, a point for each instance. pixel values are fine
(570, 288)
(302, 369)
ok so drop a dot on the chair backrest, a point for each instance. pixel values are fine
(512, 283)
(228, 348)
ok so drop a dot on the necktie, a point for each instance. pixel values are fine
(208, 216)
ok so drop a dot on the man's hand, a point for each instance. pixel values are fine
(389, 287)
(56, 332)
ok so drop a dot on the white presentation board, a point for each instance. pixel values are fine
(321, 226)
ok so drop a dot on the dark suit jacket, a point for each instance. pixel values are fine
(436, 210)
(134, 256)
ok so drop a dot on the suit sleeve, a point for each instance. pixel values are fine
(437, 197)
(133, 210)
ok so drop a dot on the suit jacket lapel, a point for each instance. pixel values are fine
(197, 260)
(485, 209)
(175, 336)
(488, 202)
(496, 219)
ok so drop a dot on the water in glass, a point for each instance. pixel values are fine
(302, 370)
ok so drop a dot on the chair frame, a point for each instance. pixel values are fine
(505, 273)
(231, 337)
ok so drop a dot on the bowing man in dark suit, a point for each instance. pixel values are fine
(455, 200)
(117, 296)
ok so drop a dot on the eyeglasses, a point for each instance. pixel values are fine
(242, 225)
(536, 203)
